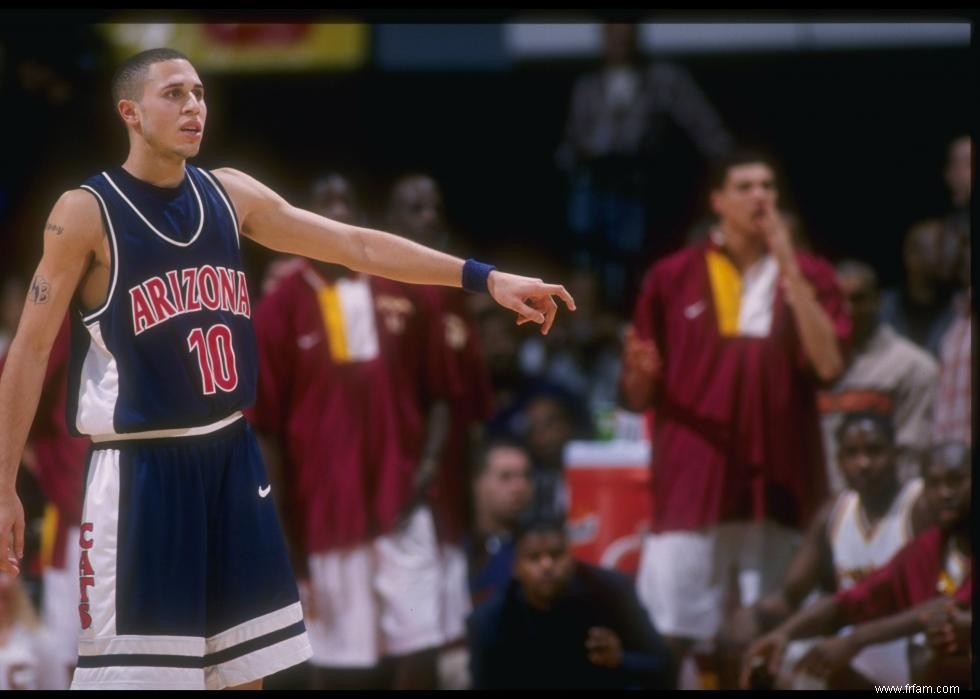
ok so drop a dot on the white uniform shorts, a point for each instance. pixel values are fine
(685, 576)
(397, 595)
(183, 581)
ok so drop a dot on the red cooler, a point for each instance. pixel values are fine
(609, 503)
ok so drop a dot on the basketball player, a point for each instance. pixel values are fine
(852, 535)
(932, 573)
(184, 578)
(415, 210)
(733, 335)
(351, 410)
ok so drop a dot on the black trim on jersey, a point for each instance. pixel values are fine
(190, 661)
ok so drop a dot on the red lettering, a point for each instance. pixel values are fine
(85, 565)
(215, 357)
(86, 574)
(215, 288)
(175, 290)
(83, 585)
(208, 292)
(193, 300)
(158, 296)
(83, 616)
(227, 288)
(244, 305)
(143, 317)
(85, 528)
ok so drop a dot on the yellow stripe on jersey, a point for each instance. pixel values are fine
(333, 322)
(49, 532)
(726, 289)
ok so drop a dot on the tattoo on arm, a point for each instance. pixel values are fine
(58, 230)
(39, 290)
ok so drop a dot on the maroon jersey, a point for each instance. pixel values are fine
(913, 576)
(351, 415)
(471, 404)
(60, 456)
(737, 434)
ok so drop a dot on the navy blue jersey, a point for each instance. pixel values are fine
(173, 345)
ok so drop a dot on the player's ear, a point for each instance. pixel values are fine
(128, 111)
(715, 201)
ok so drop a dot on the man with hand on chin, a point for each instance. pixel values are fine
(731, 338)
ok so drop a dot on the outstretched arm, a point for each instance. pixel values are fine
(72, 230)
(271, 221)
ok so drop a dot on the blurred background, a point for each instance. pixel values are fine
(859, 114)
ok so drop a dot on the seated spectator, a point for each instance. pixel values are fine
(885, 372)
(856, 532)
(561, 623)
(927, 587)
(502, 490)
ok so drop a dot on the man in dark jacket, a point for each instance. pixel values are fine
(562, 623)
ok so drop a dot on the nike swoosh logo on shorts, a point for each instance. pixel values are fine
(264, 491)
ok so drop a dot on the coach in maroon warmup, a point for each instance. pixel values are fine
(732, 337)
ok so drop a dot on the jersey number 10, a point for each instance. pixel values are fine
(215, 357)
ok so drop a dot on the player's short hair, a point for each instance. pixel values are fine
(882, 422)
(127, 82)
(949, 452)
(539, 521)
(720, 167)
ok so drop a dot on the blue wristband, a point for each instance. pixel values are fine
(475, 275)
